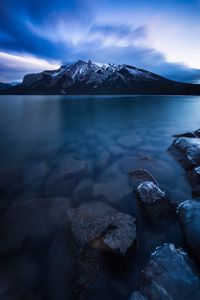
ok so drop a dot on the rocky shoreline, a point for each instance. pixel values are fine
(95, 230)
(101, 240)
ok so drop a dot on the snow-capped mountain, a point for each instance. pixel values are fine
(90, 77)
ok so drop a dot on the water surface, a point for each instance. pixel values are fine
(113, 136)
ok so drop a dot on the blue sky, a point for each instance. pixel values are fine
(161, 36)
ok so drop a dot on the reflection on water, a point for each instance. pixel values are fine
(109, 136)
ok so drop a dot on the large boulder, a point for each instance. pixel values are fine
(98, 236)
(189, 217)
(169, 275)
(152, 199)
(187, 152)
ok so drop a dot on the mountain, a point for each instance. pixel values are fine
(4, 86)
(93, 78)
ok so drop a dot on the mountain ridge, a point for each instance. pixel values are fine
(94, 78)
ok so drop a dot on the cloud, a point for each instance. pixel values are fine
(50, 32)
(121, 35)
(15, 65)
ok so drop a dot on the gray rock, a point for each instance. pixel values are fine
(150, 193)
(170, 275)
(152, 199)
(155, 201)
(64, 179)
(189, 217)
(95, 231)
(187, 152)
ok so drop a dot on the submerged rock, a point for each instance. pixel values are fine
(169, 275)
(189, 217)
(137, 296)
(139, 176)
(63, 180)
(94, 232)
(32, 222)
(151, 197)
(187, 152)
(129, 141)
(83, 191)
(113, 191)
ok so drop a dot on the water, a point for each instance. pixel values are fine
(112, 135)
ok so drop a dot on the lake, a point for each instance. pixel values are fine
(112, 135)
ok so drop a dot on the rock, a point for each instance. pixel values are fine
(64, 179)
(155, 201)
(102, 161)
(129, 141)
(35, 172)
(8, 177)
(10, 186)
(139, 176)
(189, 217)
(193, 177)
(127, 164)
(197, 132)
(149, 192)
(95, 231)
(152, 199)
(193, 134)
(114, 190)
(116, 150)
(169, 275)
(32, 222)
(33, 179)
(186, 134)
(83, 191)
(187, 152)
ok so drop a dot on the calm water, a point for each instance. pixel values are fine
(112, 135)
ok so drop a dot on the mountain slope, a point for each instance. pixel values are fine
(93, 78)
(4, 86)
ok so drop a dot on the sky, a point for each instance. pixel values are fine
(160, 36)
